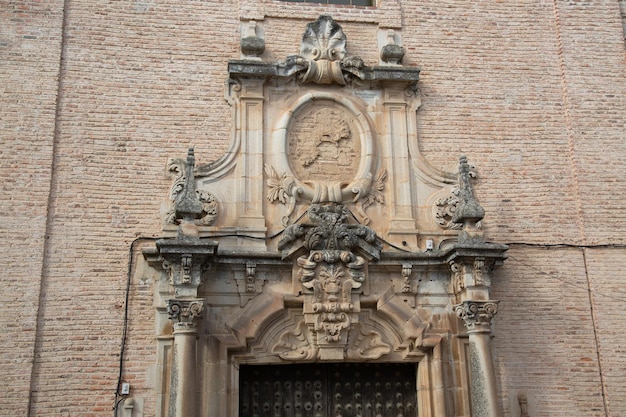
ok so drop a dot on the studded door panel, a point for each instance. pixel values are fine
(328, 390)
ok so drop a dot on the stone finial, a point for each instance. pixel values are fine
(252, 45)
(188, 207)
(468, 211)
(392, 53)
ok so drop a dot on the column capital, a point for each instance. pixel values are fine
(185, 314)
(477, 315)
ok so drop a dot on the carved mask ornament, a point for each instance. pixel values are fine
(331, 274)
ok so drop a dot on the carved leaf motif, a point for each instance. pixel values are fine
(376, 192)
(209, 208)
(275, 185)
(176, 167)
(295, 345)
(445, 208)
(368, 345)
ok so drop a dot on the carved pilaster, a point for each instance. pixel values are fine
(185, 314)
(477, 315)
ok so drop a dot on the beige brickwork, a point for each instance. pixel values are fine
(96, 96)
(30, 46)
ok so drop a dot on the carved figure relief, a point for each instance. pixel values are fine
(321, 143)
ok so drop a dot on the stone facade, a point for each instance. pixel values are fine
(128, 244)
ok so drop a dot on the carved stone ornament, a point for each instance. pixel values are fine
(475, 273)
(468, 211)
(477, 315)
(287, 190)
(252, 45)
(248, 284)
(330, 274)
(283, 189)
(323, 57)
(367, 345)
(185, 313)
(300, 344)
(458, 284)
(446, 208)
(392, 53)
(200, 207)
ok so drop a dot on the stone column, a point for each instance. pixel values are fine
(185, 315)
(477, 316)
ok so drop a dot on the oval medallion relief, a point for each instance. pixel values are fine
(324, 143)
(322, 150)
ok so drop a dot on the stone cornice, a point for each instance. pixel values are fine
(256, 69)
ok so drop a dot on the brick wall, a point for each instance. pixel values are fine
(531, 91)
(30, 42)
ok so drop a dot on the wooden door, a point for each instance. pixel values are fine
(328, 390)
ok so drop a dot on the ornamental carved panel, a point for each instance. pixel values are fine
(323, 143)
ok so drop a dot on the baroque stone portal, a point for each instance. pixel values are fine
(322, 235)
